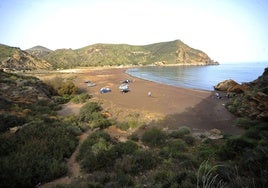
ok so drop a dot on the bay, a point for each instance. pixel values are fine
(200, 77)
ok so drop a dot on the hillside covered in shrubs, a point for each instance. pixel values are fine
(171, 52)
(38, 149)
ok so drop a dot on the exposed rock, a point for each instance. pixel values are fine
(190, 56)
(254, 102)
(14, 129)
(231, 86)
(214, 134)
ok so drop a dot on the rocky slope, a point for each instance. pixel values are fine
(16, 59)
(248, 99)
(18, 89)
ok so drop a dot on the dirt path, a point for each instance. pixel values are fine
(74, 170)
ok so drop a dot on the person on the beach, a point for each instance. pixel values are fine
(149, 94)
(218, 95)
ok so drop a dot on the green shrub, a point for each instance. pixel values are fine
(245, 122)
(38, 154)
(82, 98)
(234, 146)
(134, 137)
(62, 99)
(89, 110)
(125, 148)
(138, 162)
(207, 149)
(167, 178)
(190, 140)
(9, 120)
(62, 87)
(154, 137)
(174, 148)
(180, 133)
(95, 152)
(122, 180)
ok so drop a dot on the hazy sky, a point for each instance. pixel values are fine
(227, 30)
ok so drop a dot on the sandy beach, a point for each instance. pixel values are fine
(172, 106)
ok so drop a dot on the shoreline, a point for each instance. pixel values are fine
(169, 107)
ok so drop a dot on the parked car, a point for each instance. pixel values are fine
(91, 84)
(124, 88)
(105, 90)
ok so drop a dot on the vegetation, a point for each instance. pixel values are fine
(6, 51)
(38, 150)
(123, 54)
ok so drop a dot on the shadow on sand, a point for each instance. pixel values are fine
(210, 113)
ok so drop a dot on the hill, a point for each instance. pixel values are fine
(39, 51)
(16, 59)
(173, 52)
(39, 57)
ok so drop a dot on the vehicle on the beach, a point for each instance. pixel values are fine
(105, 90)
(91, 84)
(124, 88)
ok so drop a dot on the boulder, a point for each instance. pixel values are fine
(214, 134)
(225, 85)
(230, 86)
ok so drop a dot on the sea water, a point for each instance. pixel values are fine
(200, 77)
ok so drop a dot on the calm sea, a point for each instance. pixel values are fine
(200, 77)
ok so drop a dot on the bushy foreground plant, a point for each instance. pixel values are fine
(154, 137)
(101, 152)
(90, 113)
(36, 154)
(9, 120)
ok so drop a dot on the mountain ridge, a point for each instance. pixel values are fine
(101, 54)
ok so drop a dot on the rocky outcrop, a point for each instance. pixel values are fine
(190, 56)
(230, 86)
(254, 102)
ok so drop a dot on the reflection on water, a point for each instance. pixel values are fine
(199, 77)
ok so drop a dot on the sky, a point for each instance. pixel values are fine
(227, 30)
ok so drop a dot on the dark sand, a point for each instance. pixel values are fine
(172, 106)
